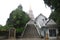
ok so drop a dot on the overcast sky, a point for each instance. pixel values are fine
(6, 6)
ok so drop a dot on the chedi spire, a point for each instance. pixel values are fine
(31, 14)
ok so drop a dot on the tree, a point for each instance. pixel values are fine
(18, 19)
(55, 5)
(55, 16)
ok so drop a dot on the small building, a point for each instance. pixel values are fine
(46, 26)
(50, 28)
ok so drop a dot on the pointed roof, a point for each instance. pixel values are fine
(40, 15)
(50, 22)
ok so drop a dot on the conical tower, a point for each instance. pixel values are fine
(31, 14)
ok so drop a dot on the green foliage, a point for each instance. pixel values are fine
(54, 4)
(4, 28)
(19, 30)
(17, 19)
(55, 16)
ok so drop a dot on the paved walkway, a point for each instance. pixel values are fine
(31, 39)
(26, 39)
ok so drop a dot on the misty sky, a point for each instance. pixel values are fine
(38, 6)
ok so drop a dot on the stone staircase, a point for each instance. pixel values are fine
(30, 32)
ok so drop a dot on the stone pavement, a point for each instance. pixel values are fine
(25, 39)
(31, 39)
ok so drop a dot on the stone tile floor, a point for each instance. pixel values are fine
(24, 39)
